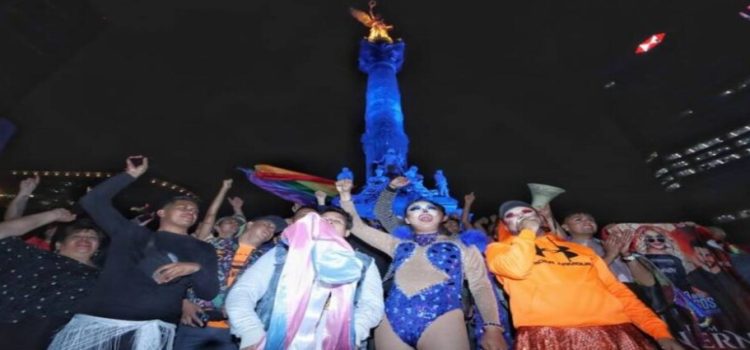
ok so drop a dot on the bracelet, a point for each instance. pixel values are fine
(390, 189)
(493, 324)
(629, 258)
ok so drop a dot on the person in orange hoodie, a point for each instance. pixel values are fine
(563, 295)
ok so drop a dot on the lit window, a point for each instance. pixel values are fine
(686, 172)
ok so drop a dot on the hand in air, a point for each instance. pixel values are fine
(398, 182)
(27, 186)
(345, 189)
(469, 198)
(136, 166)
(320, 196)
(236, 202)
(226, 184)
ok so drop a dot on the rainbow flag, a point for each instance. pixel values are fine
(290, 185)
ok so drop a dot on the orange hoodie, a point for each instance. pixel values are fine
(556, 283)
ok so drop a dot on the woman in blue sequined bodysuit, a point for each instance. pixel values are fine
(424, 308)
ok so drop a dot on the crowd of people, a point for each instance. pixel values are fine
(325, 278)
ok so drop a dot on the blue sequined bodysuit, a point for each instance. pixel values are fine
(410, 316)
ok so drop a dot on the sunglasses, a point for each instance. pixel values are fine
(657, 239)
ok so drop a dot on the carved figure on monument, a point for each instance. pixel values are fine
(442, 184)
(391, 162)
(379, 179)
(345, 174)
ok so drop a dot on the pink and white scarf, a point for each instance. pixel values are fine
(317, 284)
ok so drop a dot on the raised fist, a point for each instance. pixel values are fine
(227, 184)
(27, 186)
(345, 189)
(398, 182)
(136, 166)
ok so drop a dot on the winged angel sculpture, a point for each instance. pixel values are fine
(378, 28)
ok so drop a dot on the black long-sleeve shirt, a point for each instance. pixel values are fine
(124, 291)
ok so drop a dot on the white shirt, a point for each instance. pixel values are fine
(254, 282)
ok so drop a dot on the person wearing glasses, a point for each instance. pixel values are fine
(656, 245)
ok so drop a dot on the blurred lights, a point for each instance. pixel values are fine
(687, 113)
(661, 172)
(92, 174)
(704, 145)
(650, 43)
(711, 154)
(741, 214)
(680, 164)
(738, 132)
(704, 156)
(686, 172)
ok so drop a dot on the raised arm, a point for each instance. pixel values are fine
(17, 206)
(320, 198)
(376, 238)
(237, 203)
(384, 205)
(204, 228)
(23, 225)
(468, 201)
(514, 258)
(98, 201)
(481, 225)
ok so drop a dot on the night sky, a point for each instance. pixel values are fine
(497, 94)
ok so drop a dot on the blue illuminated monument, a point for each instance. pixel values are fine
(385, 143)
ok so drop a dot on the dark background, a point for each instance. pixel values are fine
(497, 94)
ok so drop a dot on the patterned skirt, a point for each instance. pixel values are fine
(615, 337)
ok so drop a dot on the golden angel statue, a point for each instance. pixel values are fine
(378, 28)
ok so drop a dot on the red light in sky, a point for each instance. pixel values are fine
(650, 43)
